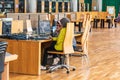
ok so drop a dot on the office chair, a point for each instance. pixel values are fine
(3, 46)
(84, 43)
(67, 49)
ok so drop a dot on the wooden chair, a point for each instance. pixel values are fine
(83, 39)
(3, 47)
(29, 27)
(84, 44)
(67, 49)
(17, 26)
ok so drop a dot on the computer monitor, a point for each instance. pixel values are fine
(44, 28)
(6, 27)
(6, 19)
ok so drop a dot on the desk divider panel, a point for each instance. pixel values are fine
(17, 26)
(34, 20)
(15, 16)
(43, 16)
(24, 17)
(29, 26)
(102, 15)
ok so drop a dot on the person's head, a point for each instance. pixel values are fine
(64, 22)
(119, 14)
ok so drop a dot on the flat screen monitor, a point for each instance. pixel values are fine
(6, 19)
(6, 27)
(44, 27)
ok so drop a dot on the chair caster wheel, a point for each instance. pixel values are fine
(68, 72)
(74, 69)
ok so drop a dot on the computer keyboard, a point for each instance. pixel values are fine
(24, 37)
(39, 38)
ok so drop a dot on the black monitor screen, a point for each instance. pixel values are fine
(6, 27)
(44, 27)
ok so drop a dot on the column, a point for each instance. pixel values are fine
(74, 5)
(99, 5)
(32, 6)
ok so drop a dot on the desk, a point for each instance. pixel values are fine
(8, 58)
(29, 52)
(80, 23)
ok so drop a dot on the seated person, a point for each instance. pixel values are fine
(109, 19)
(57, 43)
(117, 19)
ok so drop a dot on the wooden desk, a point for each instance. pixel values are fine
(8, 58)
(79, 23)
(29, 52)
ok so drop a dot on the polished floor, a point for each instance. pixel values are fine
(104, 56)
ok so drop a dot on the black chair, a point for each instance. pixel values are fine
(3, 46)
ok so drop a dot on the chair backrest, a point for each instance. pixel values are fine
(86, 33)
(68, 41)
(84, 36)
(17, 26)
(29, 26)
(3, 47)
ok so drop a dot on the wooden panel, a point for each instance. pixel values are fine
(56, 7)
(102, 15)
(29, 58)
(25, 8)
(68, 6)
(24, 16)
(16, 7)
(43, 16)
(63, 7)
(34, 20)
(50, 6)
(15, 16)
(17, 26)
(43, 6)
(81, 1)
(0, 27)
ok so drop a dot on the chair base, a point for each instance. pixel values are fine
(52, 68)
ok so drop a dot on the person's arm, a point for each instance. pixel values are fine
(54, 38)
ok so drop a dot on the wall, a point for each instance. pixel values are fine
(115, 3)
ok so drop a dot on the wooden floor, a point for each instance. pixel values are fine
(104, 55)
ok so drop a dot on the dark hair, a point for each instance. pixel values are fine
(64, 22)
